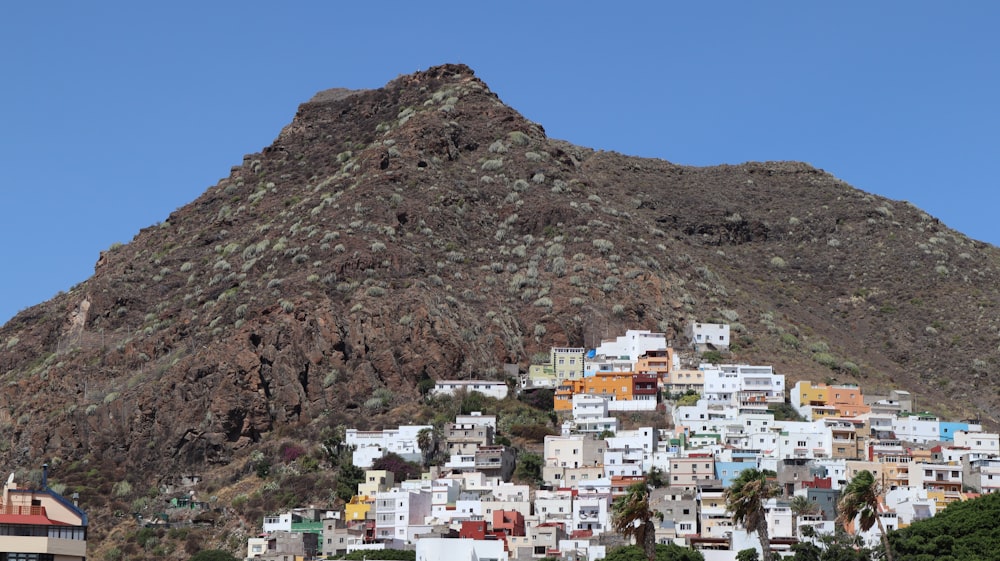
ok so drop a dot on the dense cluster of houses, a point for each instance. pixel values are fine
(467, 508)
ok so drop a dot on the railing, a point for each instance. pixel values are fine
(22, 510)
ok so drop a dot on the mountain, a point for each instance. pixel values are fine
(427, 230)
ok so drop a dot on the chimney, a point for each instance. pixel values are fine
(45, 476)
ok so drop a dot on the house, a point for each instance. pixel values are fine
(339, 537)
(625, 391)
(631, 346)
(744, 385)
(399, 512)
(706, 336)
(572, 458)
(822, 400)
(282, 545)
(489, 388)
(39, 524)
(371, 445)
(590, 416)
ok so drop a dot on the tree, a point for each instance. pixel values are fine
(748, 555)
(426, 442)
(401, 469)
(860, 500)
(632, 518)
(801, 506)
(669, 552)
(348, 477)
(746, 498)
(656, 478)
(529, 468)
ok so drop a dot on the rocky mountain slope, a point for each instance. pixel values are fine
(427, 230)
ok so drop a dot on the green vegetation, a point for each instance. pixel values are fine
(386, 554)
(213, 555)
(670, 552)
(632, 517)
(860, 499)
(529, 468)
(964, 531)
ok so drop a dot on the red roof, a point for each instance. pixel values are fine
(30, 519)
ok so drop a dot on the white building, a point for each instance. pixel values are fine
(460, 549)
(979, 442)
(371, 445)
(591, 513)
(489, 388)
(804, 440)
(554, 506)
(590, 414)
(919, 428)
(704, 334)
(982, 474)
(401, 514)
(743, 385)
(910, 504)
(632, 345)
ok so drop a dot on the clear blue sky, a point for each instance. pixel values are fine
(113, 114)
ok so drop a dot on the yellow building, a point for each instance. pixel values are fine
(359, 508)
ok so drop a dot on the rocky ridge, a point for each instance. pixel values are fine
(427, 230)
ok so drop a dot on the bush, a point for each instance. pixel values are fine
(826, 359)
(789, 340)
(534, 433)
(712, 357)
(213, 555)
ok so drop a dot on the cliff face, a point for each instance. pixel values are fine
(425, 229)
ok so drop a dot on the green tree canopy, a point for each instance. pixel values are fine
(529, 468)
(745, 499)
(213, 555)
(670, 552)
(966, 530)
(632, 517)
(860, 500)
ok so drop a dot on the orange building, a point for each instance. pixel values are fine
(614, 386)
(821, 400)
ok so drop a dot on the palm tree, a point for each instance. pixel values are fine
(746, 497)
(801, 506)
(426, 442)
(860, 500)
(632, 518)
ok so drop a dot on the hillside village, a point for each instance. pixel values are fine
(724, 421)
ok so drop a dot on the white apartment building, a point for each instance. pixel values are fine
(400, 514)
(632, 345)
(982, 474)
(591, 513)
(919, 428)
(590, 416)
(489, 388)
(371, 445)
(743, 385)
(554, 506)
(563, 454)
(910, 504)
(978, 442)
(804, 440)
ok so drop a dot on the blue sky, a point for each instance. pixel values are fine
(113, 114)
